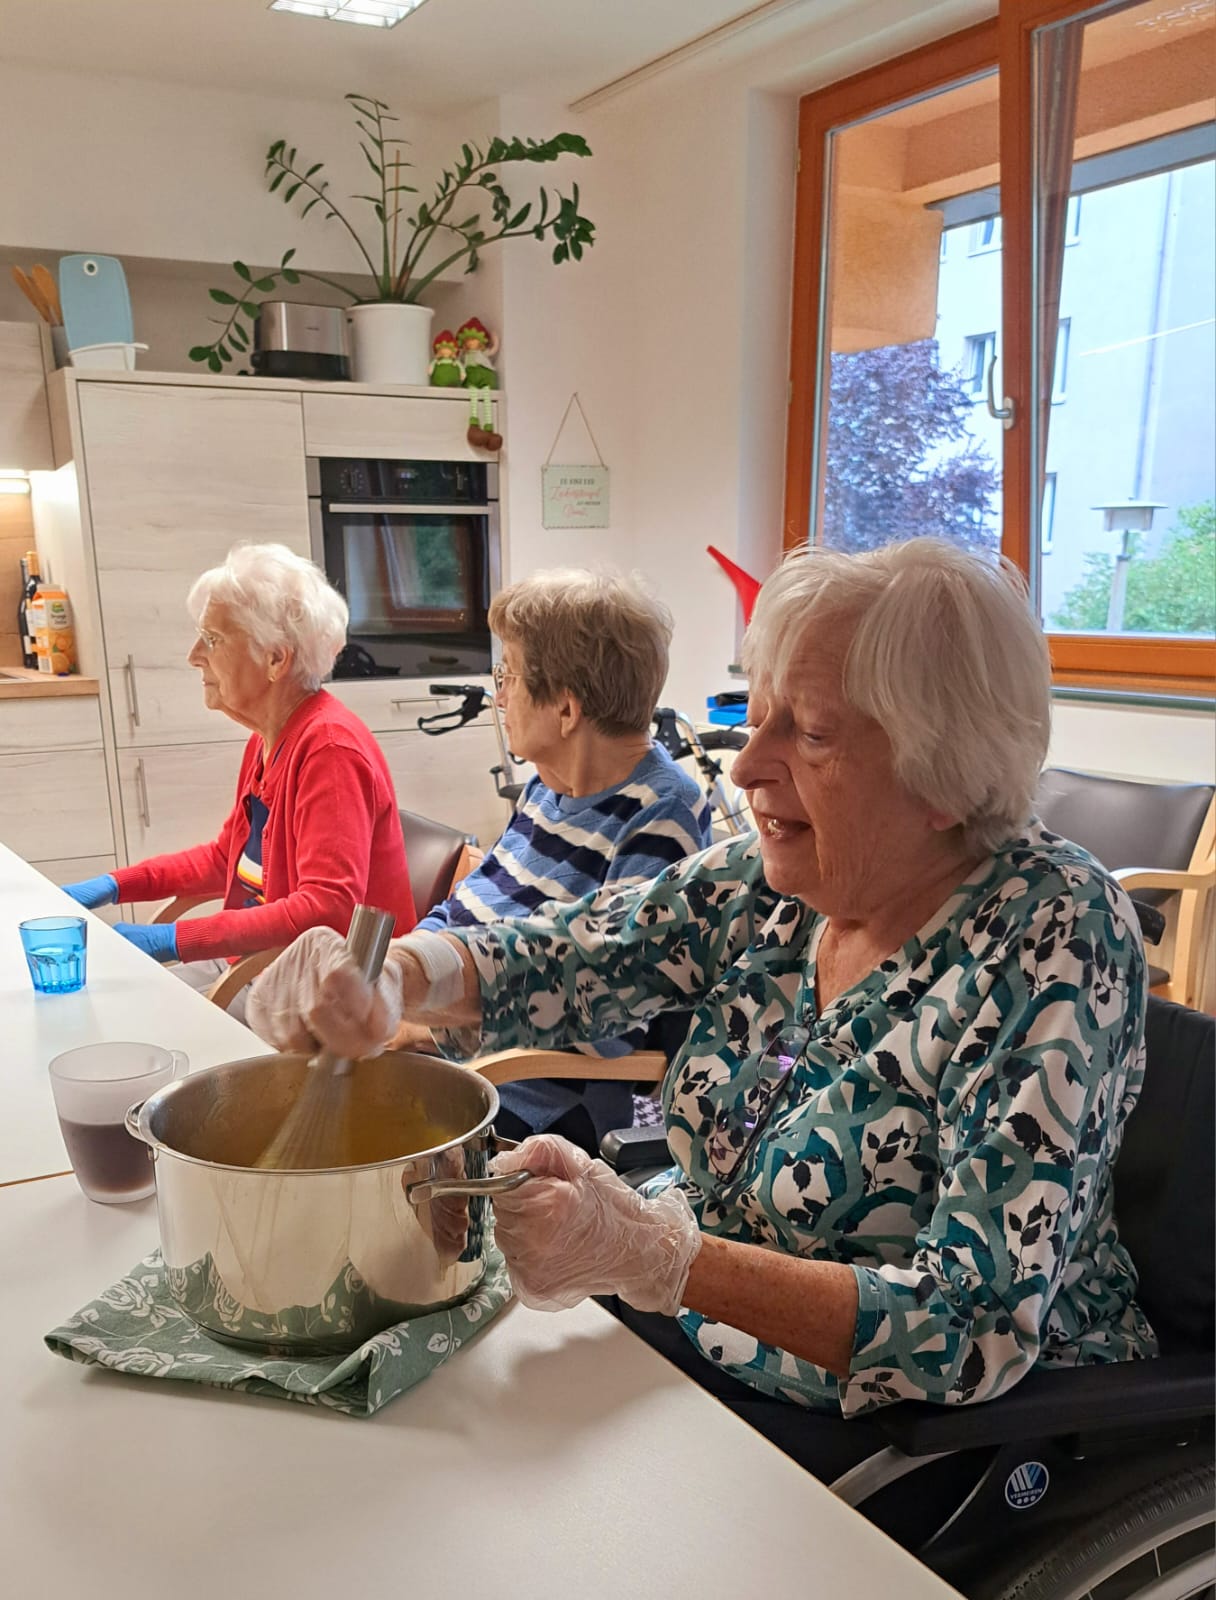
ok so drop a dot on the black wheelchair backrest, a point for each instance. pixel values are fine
(1165, 1182)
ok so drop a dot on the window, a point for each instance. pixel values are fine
(978, 351)
(1047, 514)
(985, 235)
(1005, 133)
(1059, 378)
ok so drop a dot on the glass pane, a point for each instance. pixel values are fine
(913, 318)
(1124, 321)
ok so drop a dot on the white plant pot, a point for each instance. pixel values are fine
(390, 343)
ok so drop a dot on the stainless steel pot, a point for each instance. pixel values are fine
(310, 1262)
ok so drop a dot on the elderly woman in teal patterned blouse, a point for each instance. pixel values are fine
(917, 1028)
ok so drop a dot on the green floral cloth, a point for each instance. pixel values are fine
(135, 1327)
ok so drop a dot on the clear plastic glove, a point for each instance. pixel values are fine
(576, 1229)
(313, 993)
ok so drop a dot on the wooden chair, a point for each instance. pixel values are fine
(1159, 842)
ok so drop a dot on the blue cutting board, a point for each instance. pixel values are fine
(95, 301)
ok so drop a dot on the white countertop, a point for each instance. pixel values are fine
(127, 996)
(553, 1456)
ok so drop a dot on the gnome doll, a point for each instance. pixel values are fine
(478, 347)
(447, 369)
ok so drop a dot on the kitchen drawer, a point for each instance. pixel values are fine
(421, 428)
(75, 870)
(175, 796)
(393, 705)
(55, 802)
(68, 722)
(449, 779)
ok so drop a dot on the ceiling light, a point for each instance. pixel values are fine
(371, 13)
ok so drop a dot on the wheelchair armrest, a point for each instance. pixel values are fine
(1113, 1398)
(627, 1149)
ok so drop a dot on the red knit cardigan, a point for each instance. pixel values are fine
(332, 840)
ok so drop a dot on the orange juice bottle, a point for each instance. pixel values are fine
(50, 619)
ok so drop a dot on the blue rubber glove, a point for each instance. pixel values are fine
(155, 939)
(93, 892)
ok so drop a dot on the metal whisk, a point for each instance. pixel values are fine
(314, 1132)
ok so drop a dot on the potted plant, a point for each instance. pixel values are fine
(390, 331)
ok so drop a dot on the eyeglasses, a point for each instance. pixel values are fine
(758, 1090)
(500, 675)
(209, 640)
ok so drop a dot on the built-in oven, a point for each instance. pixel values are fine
(413, 548)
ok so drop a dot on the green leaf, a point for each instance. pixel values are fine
(287, 255)
(370, 159)
(316, 199)
(242, 271)
(200, 352)
(289, 276)
(292, 192)
(264, 285)
(221, 350)
(222, 297)
(247, 306)
(214, 362)
(276, 150)
(277, 179)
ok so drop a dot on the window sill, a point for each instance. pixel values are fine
(1152, 699)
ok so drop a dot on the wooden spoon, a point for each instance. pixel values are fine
(49, 290)
(32, 294)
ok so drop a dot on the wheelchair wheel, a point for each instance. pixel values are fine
(1157, 1541)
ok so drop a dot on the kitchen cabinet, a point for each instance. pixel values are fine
(55, 803)
(160, 475)
(175, 796)
(25, 426)
(176, 475)
(433, 427)
(75, 869)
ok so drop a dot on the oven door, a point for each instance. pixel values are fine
(418, 581)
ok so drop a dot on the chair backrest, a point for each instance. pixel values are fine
(1124, 823)
(432, 853)
(1165, 1180)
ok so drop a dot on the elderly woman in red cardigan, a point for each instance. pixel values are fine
(314, 829)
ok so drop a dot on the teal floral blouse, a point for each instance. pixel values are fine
(947, 1127)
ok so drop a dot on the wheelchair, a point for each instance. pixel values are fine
(1083, 1483)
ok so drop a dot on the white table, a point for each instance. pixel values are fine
(127, 996)
(554, 1456)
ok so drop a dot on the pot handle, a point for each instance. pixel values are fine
(419, 1194)
(131, 1122)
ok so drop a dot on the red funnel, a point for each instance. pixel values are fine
(746, 586)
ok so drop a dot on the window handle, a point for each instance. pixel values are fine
(1004, 413)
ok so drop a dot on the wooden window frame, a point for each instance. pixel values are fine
(1156, 664)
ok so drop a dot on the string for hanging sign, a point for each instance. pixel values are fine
(574, 495)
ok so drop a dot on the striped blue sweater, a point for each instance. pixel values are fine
(561, 848)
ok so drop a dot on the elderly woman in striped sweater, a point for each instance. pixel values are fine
(584, 657)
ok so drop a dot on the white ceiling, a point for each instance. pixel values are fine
(448, 54)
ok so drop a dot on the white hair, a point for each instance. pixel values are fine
(945, 656)
(278, 598)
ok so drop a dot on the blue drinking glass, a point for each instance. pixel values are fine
(55, 950)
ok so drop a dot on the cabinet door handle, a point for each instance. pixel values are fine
(141, 793)
(417, 700)
(128, 673)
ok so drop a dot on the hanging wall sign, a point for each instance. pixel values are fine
(574, 495)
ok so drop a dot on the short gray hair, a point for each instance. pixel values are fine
(945, 656)
(278, 598)
(597, 635)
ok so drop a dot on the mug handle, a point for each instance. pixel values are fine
(181, 1064)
